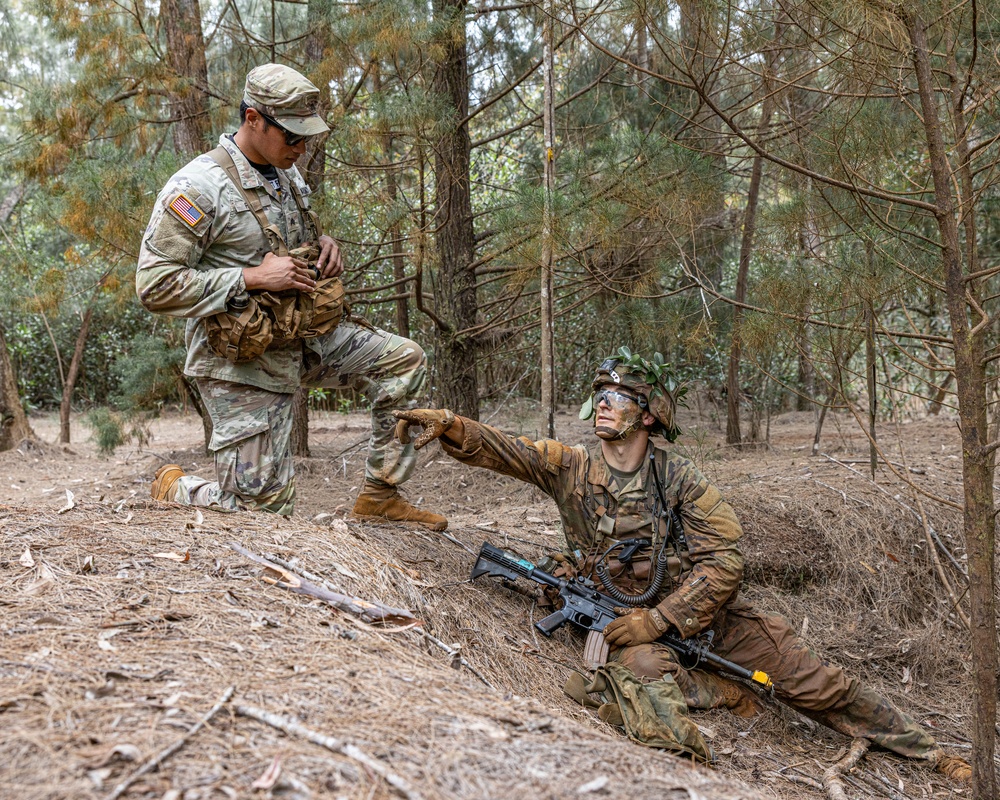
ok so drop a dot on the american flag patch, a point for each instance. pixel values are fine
(186, 210)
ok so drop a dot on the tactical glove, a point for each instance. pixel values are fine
(434, 422)
(638, 626)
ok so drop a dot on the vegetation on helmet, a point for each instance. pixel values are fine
(655, 380)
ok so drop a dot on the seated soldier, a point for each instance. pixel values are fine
(630, 485)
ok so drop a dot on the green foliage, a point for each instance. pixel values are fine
(111, 429)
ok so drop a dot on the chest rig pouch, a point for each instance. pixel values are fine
(256, 321)
(637, 570)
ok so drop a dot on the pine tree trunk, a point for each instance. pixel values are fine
(76, 362)
(186, 57)
(313, 164)
(971, 384)
(456, 352)
(14, 427)
(734, 392)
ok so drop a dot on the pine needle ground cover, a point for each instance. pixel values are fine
(143, 655)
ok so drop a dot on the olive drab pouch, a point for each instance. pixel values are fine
(288, 315)
(322, 309)
(242, 332)
(653, 714)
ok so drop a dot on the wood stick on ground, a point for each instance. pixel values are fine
(453, 653)
(164, 754)
(293, 728)
(366, 610)
(833, 778)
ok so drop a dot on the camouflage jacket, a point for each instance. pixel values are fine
(200, 236)
(705, 564)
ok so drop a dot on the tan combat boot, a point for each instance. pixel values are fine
(378, 501)
(741, 700)
(954, 767)
(164, 480)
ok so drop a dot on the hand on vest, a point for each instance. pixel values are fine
(277, 273)
(638, 626)
(330, 263)
(434, 421)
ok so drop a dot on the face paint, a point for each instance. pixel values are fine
(625, 410)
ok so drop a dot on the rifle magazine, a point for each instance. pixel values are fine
(595, 650)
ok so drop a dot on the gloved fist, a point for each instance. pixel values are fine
(638, 626)
(434, 421)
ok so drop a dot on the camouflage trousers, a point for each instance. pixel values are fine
(251, 436)
(804, 681)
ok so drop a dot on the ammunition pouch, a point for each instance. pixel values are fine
(277, 320)
(240, 334)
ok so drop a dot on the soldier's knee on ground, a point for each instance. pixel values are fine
(648, 661)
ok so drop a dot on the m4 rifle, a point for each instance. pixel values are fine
(591, 610)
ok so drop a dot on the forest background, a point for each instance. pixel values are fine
(794, 202)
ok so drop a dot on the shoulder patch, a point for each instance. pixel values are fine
(186, 210)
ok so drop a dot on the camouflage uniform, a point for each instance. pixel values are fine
(700, 594)
(200, 236)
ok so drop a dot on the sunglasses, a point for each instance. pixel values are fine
(291, 139)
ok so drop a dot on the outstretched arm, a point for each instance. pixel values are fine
(543, 463)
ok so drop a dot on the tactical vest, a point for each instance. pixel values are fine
(254, 322)
(645, 519)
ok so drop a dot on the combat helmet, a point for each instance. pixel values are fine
(654, 382)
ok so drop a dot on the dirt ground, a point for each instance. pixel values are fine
(125, 622)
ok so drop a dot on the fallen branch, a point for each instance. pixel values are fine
(163, 755)
(293, 728)
(455, 655)
(833, 778)
(365, 610)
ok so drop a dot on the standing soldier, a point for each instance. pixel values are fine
(631, 487)
(233, 246)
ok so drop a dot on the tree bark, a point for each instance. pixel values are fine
(456, 352)
(186, 58)
(14, 427)
(733, 390)
(704, 134)
(971, 385)
(548, 426)
(75, 364)
(313, 165)
(300, 423)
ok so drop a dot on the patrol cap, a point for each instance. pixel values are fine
(287, 96)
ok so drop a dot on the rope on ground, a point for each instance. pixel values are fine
(164, 754)
(293, 728)
(833, 778)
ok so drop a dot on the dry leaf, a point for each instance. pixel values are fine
(871, 569)
(339, 526)
(46, 578)
(120, 752)
(26, 558)
(69, 503)
(197, 522)
(593, 786)
(270, 775)
(345, 571)
(185, 556)
(104, 637)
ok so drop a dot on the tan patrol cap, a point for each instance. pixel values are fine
(287, 96)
